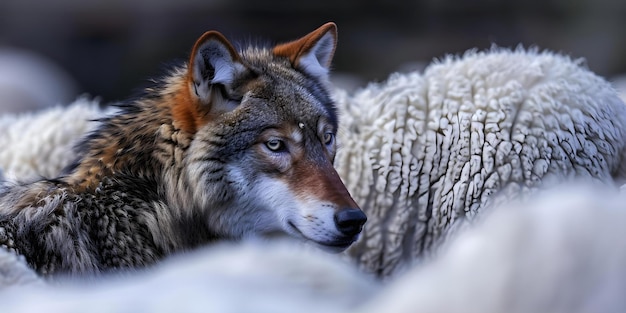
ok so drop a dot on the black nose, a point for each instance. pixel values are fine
(350, 221)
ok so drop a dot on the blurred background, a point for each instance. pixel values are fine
(53, 51)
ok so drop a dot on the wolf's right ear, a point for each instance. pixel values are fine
(214, 62)
(312, 53)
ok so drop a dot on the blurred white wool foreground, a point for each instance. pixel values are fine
(562, 253)
(252, 277)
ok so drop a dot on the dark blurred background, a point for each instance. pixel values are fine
(108, 48)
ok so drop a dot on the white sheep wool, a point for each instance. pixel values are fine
(423, 151)
(40, 144)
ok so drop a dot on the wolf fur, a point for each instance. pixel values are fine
(233, 144)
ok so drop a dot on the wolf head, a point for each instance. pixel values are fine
(261, 159)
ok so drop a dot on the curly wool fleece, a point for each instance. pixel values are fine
(41, 143)
(421, 151)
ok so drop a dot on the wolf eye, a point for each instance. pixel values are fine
(329, 138)
(275, 145)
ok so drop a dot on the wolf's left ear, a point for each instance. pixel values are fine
(214, 62)
(312, 53)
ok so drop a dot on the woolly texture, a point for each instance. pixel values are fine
(559, 252)
(422, 151)
(252, 277)
(41, 144)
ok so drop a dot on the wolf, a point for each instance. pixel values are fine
(233, 144)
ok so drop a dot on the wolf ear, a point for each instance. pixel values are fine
(312, 53)
(214, 62)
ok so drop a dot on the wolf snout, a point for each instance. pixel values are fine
(350, 221)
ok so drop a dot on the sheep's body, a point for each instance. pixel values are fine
(422, 151)
(41, 144)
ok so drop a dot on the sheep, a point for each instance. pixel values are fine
(420, 152)
(40, 144)
(557, 252)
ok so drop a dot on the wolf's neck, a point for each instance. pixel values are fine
(138, 143)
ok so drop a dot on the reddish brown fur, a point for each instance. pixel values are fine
(106, 154)
(310, 178)
(186, 110)
(295, 49)
(89, 173)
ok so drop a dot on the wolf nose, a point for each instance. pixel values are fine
(350, 221)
